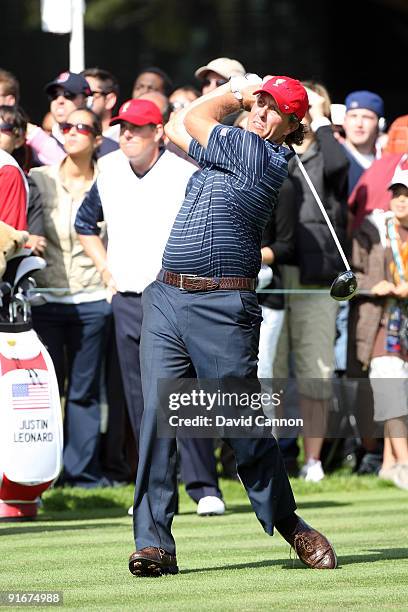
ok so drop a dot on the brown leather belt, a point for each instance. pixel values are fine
(190, 282)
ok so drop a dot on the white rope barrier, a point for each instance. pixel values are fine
(272, 291)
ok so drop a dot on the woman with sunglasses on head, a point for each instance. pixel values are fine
(73, 321)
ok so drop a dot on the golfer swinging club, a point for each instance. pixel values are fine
(202, 311)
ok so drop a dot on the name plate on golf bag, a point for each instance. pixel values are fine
(31, 438)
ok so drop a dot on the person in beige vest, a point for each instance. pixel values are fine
(73, 321)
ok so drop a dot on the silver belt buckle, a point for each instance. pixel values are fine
(182, 276)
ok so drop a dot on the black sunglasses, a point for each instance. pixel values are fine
(218, 82)
(53, 95)
(81, 128)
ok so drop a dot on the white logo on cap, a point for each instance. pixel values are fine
(125, 107)
(286, 107)
(279, 82)
(64, 76)
(354, 104)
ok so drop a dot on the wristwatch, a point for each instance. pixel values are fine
(238, 82)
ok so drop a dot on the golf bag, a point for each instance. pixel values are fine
(31, 438)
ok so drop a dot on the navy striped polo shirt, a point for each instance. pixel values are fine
(228, 202)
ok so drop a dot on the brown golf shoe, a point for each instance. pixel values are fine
(153, 562)
(312, 547)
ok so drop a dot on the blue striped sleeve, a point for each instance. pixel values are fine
(238, 151)
(197, 152)
(90, 213)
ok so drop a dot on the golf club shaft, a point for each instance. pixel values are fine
(323, 210)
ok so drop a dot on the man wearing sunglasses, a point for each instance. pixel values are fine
(105, 93)
(67, 92)
(217, 73)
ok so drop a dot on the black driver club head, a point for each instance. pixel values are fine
(344, 286)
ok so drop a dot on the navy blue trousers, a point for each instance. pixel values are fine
(75, 336)
(217, 334)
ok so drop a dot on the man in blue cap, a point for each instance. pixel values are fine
(67, 92)
(364, 109)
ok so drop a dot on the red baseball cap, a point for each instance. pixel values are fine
(138, 112)
(290, 95)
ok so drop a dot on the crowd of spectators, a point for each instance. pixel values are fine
(98, 191)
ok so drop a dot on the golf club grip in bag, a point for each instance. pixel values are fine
(31, 438)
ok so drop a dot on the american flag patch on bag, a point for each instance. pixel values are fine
(26, 396)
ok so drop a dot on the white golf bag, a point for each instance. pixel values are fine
(31, 439)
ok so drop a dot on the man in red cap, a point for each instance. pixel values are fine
(201, 315)
(138, 193)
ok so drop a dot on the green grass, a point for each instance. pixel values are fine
(81, 541)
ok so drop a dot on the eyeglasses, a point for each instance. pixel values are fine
(53, 95)
(132, 128)
(81, 128)
(97, 94)
(7, 128)
(218, 82)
